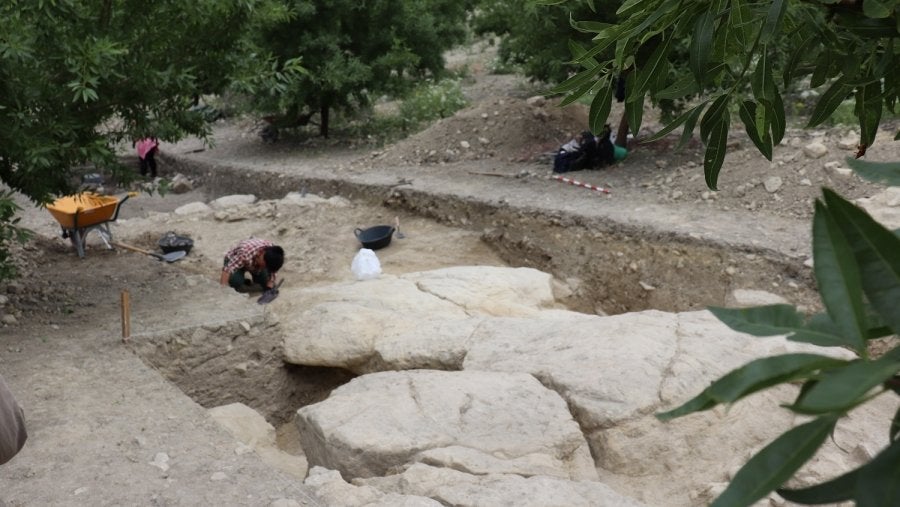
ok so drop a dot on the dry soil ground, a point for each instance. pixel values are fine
(471, 189)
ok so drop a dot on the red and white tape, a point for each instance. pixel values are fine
(579, 183)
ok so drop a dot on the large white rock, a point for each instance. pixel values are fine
(230, 201)
(451, 487)
(474, 421)
(418, 320)
(331, 487)
(193, 207)
(884, 207)
(252, 430)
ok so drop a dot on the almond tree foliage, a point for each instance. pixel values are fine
(355, 52)
(79, 76)
(537, 37)
(747, 52)
(742, 55)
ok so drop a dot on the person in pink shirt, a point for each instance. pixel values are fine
(146, 150)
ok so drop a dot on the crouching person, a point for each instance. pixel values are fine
(258, 257)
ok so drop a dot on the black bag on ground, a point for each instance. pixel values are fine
(587, 152)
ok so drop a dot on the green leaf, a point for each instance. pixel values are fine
(877, 8)
(775, 463)
(838, 278)
(575, 82)
(773, 20)
(682, 118)
(754, 376)
(869, 107)
(879, 481)
(747, 112)
(689, 124)
(866, 26)
(796, 57)
(843, 388)
(775, 111)
(887, 173)
(649, 73)
(772, 320)
(875, 249)
(600, 107)
(576, 94)
(578, 51)
(682, 87)
(701, 45)
(829, 101)
(714, 115)
(762, 81)
(714, 156)
(839, 489)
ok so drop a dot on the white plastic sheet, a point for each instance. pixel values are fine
(365, 265)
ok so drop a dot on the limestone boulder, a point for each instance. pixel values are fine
(419, 320)
(331, 487)
(452, 487)
(231, 201)
(254, 433)
(482, 422)
(193, 208)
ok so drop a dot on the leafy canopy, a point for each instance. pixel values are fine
(745, 53)
(356, 51)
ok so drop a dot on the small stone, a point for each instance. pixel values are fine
(662, 163)
(83, 489)
(464, 145)
(646, 286)
(218, 477)
(704, 196)
(536, 101)
(245, 325)
(633, 266)
(843, 172)
(805, 182)
(3, 300)
(849, 142)
(9, 319)
(677, 194)
(484, 116)
(161, 461)
(815, 150)
(808, 262)
(730, 270)
(484, 140)
(772, 184)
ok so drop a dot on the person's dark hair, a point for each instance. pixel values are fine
(273, 256)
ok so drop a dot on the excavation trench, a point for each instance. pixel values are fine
(603, 267)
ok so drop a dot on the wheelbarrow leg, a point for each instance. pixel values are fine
(77, 238)
(105, 234)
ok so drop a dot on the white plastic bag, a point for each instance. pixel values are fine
(365, 265)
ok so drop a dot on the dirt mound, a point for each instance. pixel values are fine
(503, 128)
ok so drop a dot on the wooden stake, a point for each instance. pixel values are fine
(126, 316)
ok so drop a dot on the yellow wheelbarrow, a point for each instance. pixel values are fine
(82, 213)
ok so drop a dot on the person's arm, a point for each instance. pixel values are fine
(12, 425)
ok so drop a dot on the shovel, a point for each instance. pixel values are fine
(169, 257)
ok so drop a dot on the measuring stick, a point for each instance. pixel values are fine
(126, 316)
(579, 184)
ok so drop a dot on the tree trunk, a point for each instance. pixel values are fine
(323, 125)
(622, 133)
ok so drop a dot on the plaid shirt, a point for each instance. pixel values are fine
(243, 256)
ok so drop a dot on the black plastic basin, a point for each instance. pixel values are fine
(376, 237)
